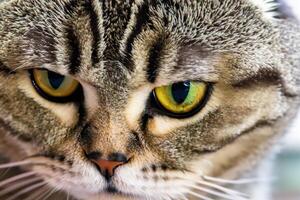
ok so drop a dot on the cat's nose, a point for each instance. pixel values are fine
(108, 166)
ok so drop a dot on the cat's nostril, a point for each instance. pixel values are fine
(107, 166)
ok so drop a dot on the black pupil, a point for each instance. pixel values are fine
(55, 79)
(180, 91)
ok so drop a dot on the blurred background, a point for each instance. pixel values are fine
(287, 167)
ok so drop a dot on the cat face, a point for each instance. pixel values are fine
(142, 99)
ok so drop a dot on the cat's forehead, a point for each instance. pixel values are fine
(136, 35)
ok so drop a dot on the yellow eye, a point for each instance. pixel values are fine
(53, 86)
(182, 99)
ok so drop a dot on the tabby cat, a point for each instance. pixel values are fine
(144, 99)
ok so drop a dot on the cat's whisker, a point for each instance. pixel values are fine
(167, 198)
(216, 193)
(222, 188)
(40, 160)
(68, 195)
(37, 193)
(45, 193)
(4, 172)
(199, 196)
(216, 186)
(184, 197)
(236, 182)
(14, 164)
(16, 178)
(51, 193)
(26, 190)
(18, 185)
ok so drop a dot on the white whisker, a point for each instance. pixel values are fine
(167, 198)
(48, 194)
(37, 194)
(215, 186)
(223, 189)
(14, 164)
(44, 194)
(199, 196)
(215, 193)
(51, 193)
(4, 172)
(18, 185)
(68, 195)
(237, 182)
(17, 177)
(183, 197)
(26, 190)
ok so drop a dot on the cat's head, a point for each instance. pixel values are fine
(143, 98)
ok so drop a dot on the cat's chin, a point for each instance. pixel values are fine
(111, 196)
(108, 194)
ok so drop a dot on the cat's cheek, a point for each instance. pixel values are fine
(67, 112)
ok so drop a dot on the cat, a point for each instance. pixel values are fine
(144, 99)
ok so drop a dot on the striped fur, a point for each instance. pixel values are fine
(120, 50)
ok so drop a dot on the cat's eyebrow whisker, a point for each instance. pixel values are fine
(26, 190)
(236, 182)
(16, 178)
(18, 185)
(14, 164)
(216, 193)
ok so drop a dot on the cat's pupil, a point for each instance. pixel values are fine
(55, 79)
(180, 91)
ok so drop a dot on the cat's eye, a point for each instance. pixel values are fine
(182, 99)
(53, 86)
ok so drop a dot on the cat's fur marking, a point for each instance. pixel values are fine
(120, 51)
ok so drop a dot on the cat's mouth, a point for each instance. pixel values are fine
(111, 189)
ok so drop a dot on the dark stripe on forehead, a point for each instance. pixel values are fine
(154, 60)
(70, 7)
(142, 18)
(116, 16)
(74, 49)
(94, 23)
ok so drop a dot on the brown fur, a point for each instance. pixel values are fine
(252, 61)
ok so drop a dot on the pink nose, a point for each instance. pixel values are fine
(108, 167)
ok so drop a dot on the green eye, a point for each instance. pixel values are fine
(53, 86)
(182, 99)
